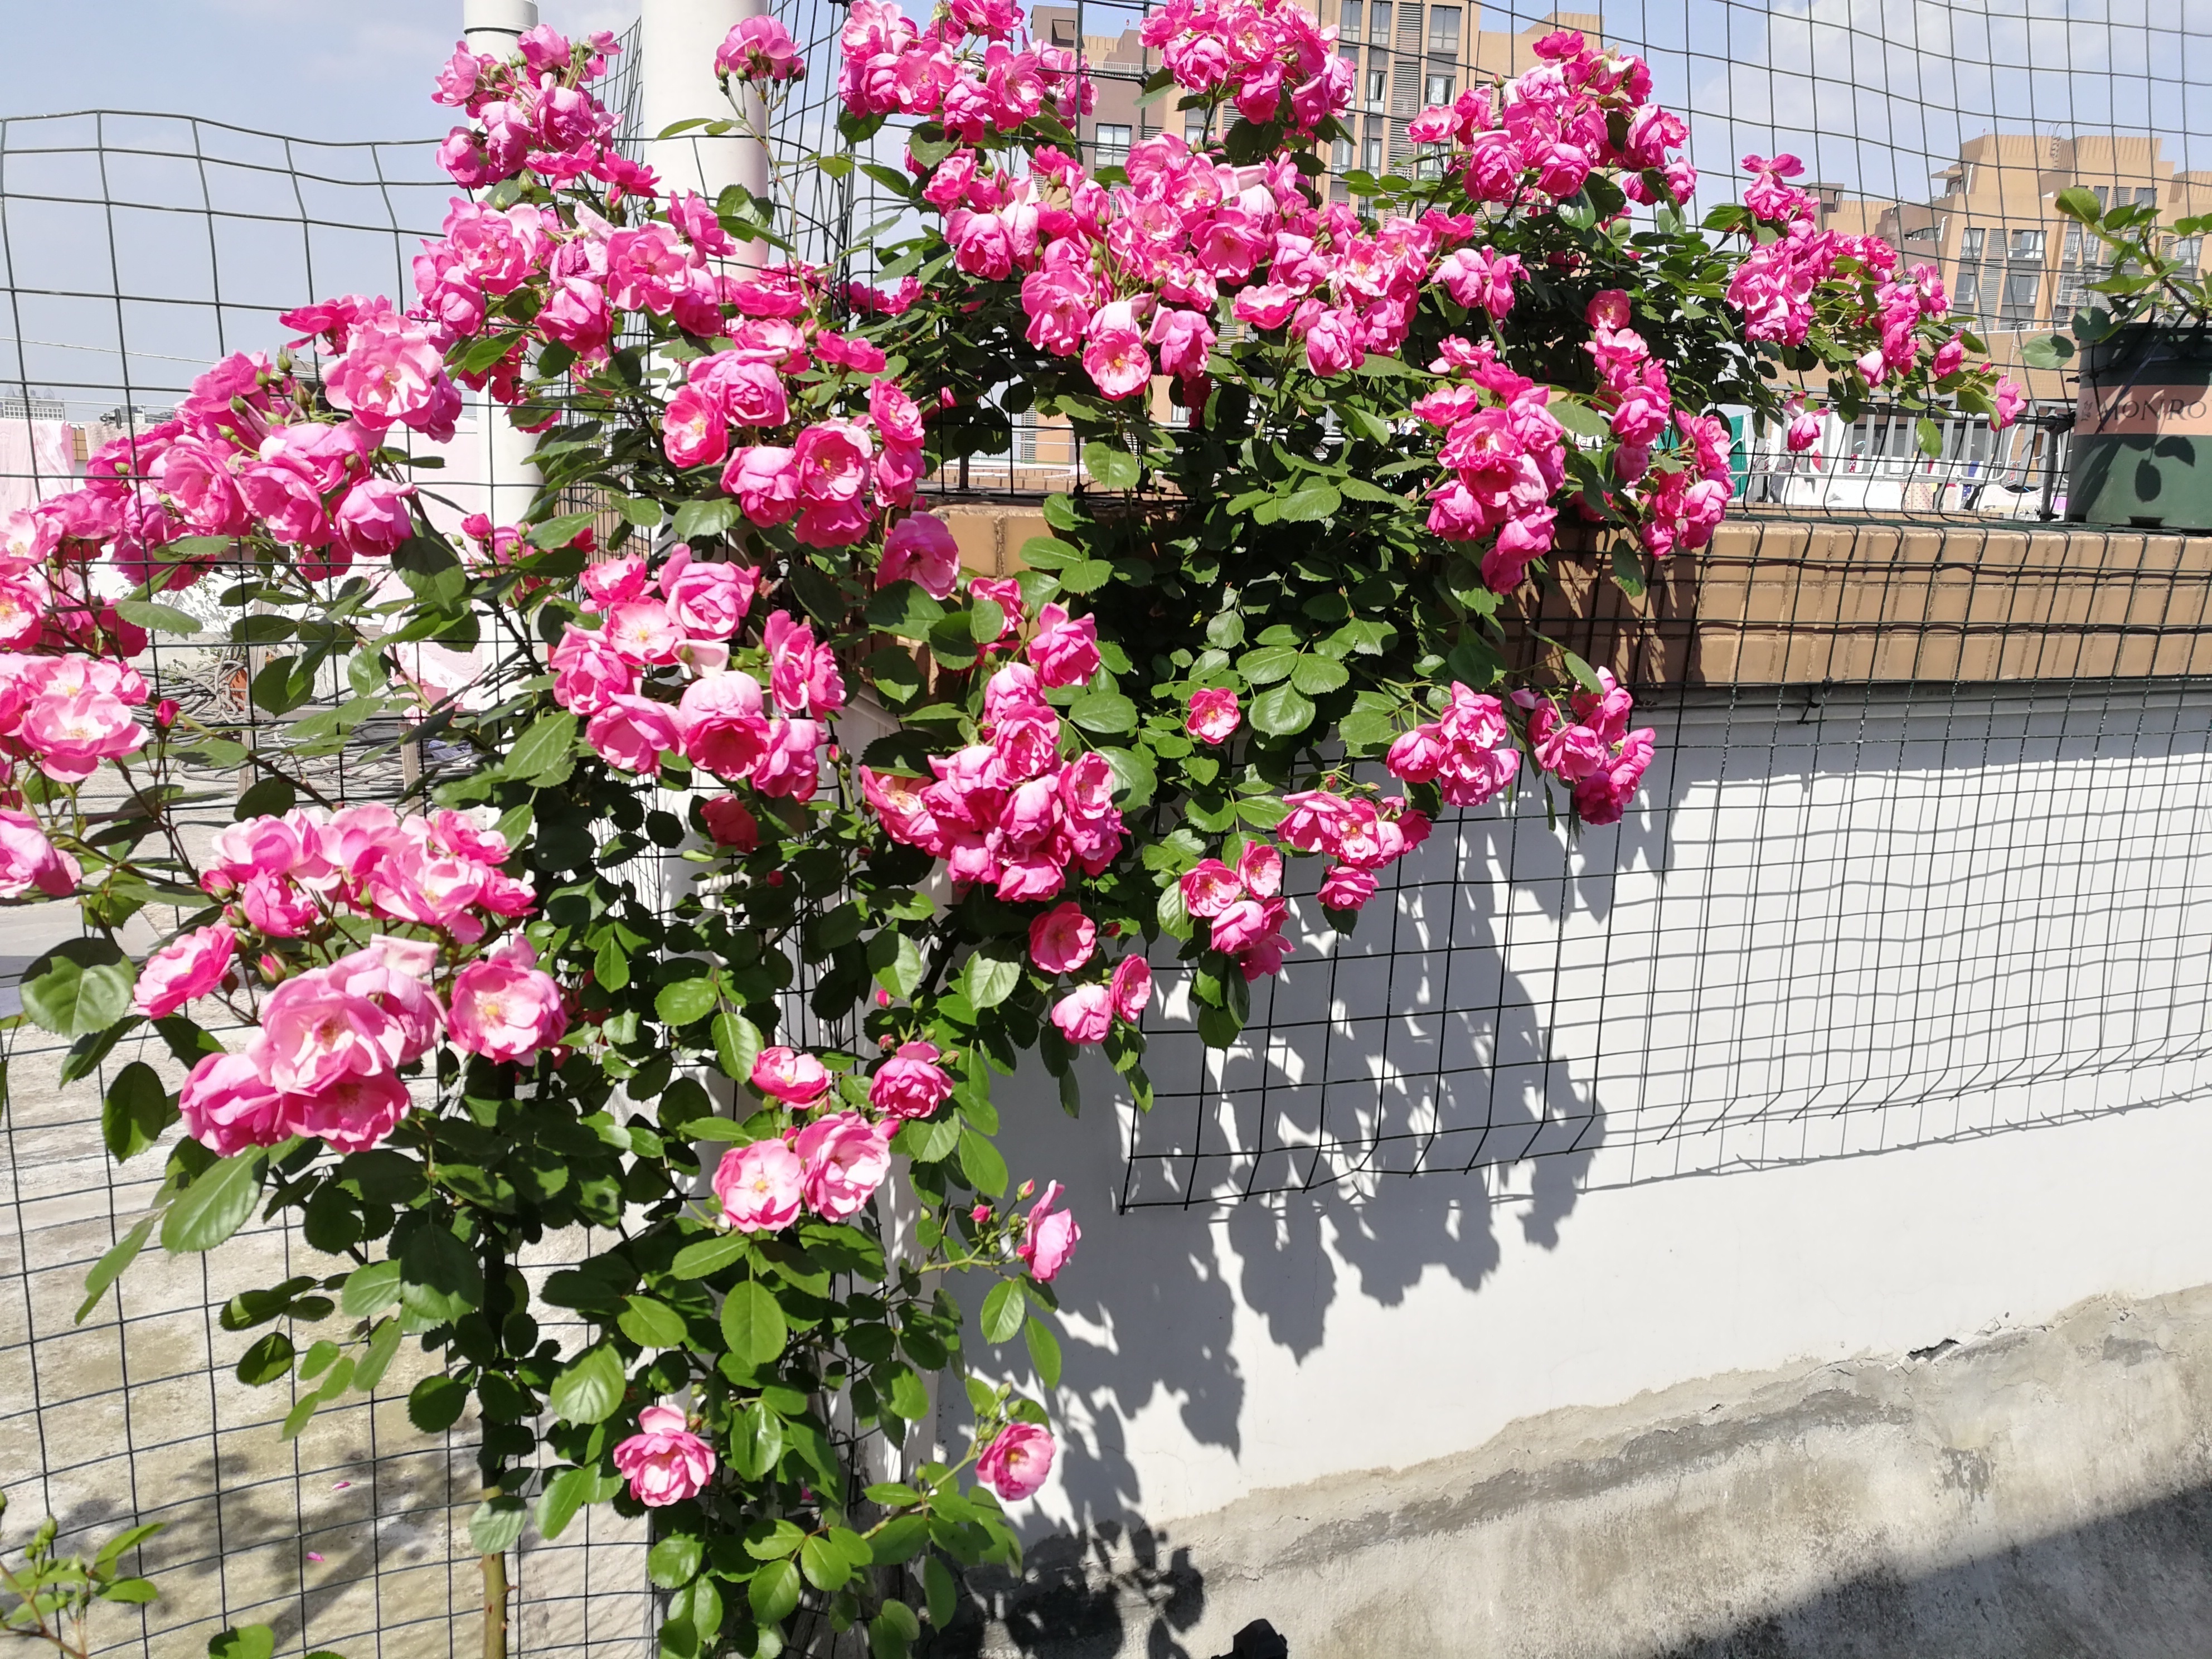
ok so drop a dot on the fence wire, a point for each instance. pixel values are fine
(1898, 876)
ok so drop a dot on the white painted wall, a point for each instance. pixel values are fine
(1969, 918)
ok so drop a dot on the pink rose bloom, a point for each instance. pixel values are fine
(1016, 1462)
(1062, 940)
(1006, 592)
(1348, 889)
(1064, 651)
(1116, 359)
(790, 1075)
(1084, 1013)
(588, 673)
(315, 1033)
(1130, 991)
(192, 967)
(730, 824)
(910, 1084)
(632, 733)
(506, 1009)
(693, 430)
(1213, 716)
(373, 520)
(846, 1159)
(1049, 1236)
(72, 735)
(29, 859)
(1604, 796)
(1261, 870)
(760, 49)
(663, 1462)
(352, 1114)
(1949, 357)
(392, 371)
(2010, 400)
(765, 481)
(758, 1186)
(724, 729)
(1210, 888)
(227, 1106)
(920, 549)
(642, 631)
(1245, 923)
(707, 600)
(1608, 309)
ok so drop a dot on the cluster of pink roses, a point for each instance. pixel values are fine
(1581, 109)
(831, 1167)
(1467, 752)
(1589, 747)
(1270, 57)
(70, 714)
(1245, 907)
(285, 877)
(1507, 453)
(891, 67)
(1010, 811)
(325, 1056)
(1063, 941)
(1360, 836)
(836, 477)
(30, 863)
(532, 112)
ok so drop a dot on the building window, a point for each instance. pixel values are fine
(1443, 30)
(1063, 31)
(1193, 128)
(1348, 20)
(1110, 143)
(1966, 293)
(1378, 21)
(2019, 296)
(1409, 28)
(2102, 196)
(1339, 156)
(1970, 244)
(1378, 87)
(2028, 245)
(1436, 90)
(2147, 197)
(2187, 251)
(1370, 150)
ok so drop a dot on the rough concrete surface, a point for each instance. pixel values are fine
(2026, 1493)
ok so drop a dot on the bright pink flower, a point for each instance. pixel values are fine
(392, 371)
(1603, 796)
(29, 860)
(694, 431)
(275, 906)
(642, 631)
(846, 1159)
(1049, 1236)
(1084, 1013)
(1064, 651)
(1116, 359)
(790, 1075)
(920, 549)
(1016, 1462)
(910, 1084)
(708, 599)
(1213, 714)
(663, 1462)
(803, 675)
(1006, 592)
(190, 967)
(1209, 888)
(352, 1114)
(1131, 990)
(1345, 887)
(373, 520)
(2009, 400)
(730, 824)
(507, 1009)
(723, 728)
(1948, 357)
(227, 1106)
(765, 481)
(631, 733)
(1261, 870)
(758, 1186)
(1062, 940)
(72, 735)
(588, 672)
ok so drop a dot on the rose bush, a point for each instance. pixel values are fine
(927, 823)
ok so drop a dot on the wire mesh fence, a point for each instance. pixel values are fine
(1919, 860)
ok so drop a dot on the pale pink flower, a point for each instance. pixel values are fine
(1210, 887)
(846, 1159)
(351, 1115)
(190, 967)
(228, 1106)
(1084, 1013)
(758, 1186)
(1131, 990)
(1064, 651)
(314, 1033)
(506, 1009)
(663, 1462)
(790, 1075)
(29, 860)
(1213, 714)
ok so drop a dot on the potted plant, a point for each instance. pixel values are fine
(2140, 452)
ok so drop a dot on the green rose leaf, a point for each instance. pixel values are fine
(753, 1323)
(591, 1387)
(545, 754)
(685, 1000)
(990, 976)
(82, 985)
(981, 1163)
(651, 1324)
(136, 1110)
(1004, 1309)
(495, 1526)
(215, 1205)
(1110, 467)
(773, 1592)
(439, 1278)
(1280, 712)
(1107, 713)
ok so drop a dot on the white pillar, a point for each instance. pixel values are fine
(502, 453)
(677, 42)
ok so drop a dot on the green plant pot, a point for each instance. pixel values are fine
(2141, 451)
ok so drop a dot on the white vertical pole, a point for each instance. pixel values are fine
(677, 42)
(510, 477)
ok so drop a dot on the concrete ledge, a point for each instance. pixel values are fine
(2038, 1491)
